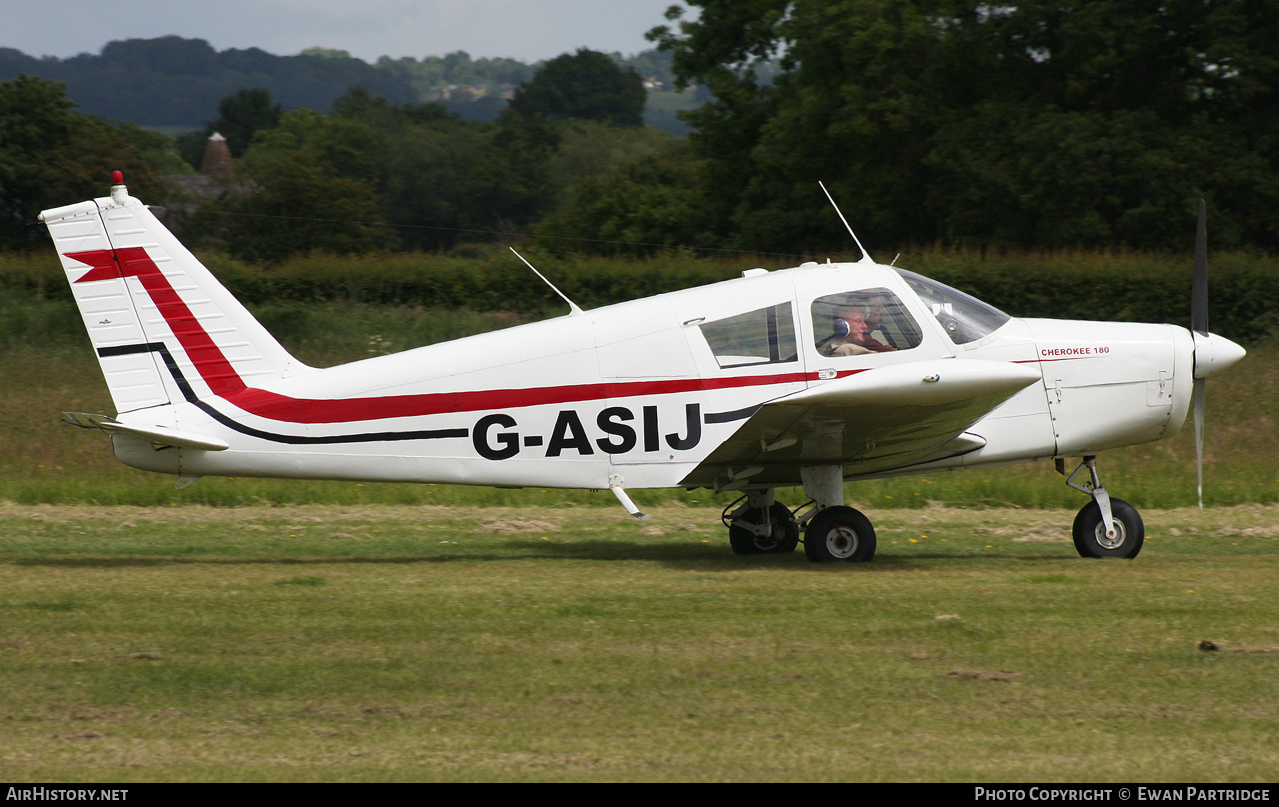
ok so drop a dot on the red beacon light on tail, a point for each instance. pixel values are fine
(119, 193)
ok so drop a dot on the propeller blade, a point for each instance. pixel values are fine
(1199, 282)
(1200, 384)
(1199, 325)
(1212, 354)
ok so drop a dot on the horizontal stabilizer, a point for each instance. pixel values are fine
(160, 436)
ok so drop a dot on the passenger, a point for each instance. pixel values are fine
(874, 321)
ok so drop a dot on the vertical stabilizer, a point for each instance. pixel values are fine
(162, 325)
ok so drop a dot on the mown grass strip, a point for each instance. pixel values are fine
(456, 644)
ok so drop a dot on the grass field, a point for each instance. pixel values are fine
(322, 643)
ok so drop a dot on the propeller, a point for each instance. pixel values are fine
(1212, 353)
(1199, 325)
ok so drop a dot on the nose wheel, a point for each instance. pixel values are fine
(1105, 527)
(1092, 540)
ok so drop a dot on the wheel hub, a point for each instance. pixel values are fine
(770, 541)
(841, 541)
(1111, 542)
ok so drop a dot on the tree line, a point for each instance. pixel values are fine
(1039, 124)
(1043, 125)
(370, 175)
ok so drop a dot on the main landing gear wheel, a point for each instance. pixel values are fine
(839, 533)
(1090, 531)
(784, 537)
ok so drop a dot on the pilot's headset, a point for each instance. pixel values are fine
(841, 329)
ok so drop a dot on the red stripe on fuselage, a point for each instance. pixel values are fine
(200, 348)
(226, 383)
(342, 410)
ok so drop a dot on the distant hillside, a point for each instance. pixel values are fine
(176, 83)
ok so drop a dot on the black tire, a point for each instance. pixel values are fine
(784, 538)
(839, 533)
(1090, 532)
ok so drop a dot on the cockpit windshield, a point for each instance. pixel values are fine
(965, 318)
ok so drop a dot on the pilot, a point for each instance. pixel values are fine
(857, 340)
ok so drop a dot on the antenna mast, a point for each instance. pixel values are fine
(573, 310)
(865, 254)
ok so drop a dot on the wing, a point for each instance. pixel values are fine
(870, 421)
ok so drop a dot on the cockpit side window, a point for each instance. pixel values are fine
(965, 318)
(863, 321)
(764, 336)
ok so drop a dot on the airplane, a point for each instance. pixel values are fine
(807, 377)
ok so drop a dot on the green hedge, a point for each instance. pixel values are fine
(1140, 287)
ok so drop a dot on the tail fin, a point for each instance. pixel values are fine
(163, 327)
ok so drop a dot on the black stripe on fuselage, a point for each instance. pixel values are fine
(370, 437)
(729, 417)
(189, 394)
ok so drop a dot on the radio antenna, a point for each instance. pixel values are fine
(865, 254)
(573, 310)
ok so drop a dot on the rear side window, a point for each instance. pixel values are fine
(764, 336)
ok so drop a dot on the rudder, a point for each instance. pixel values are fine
(163, 327)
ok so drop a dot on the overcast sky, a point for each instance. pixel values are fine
(528, 30)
